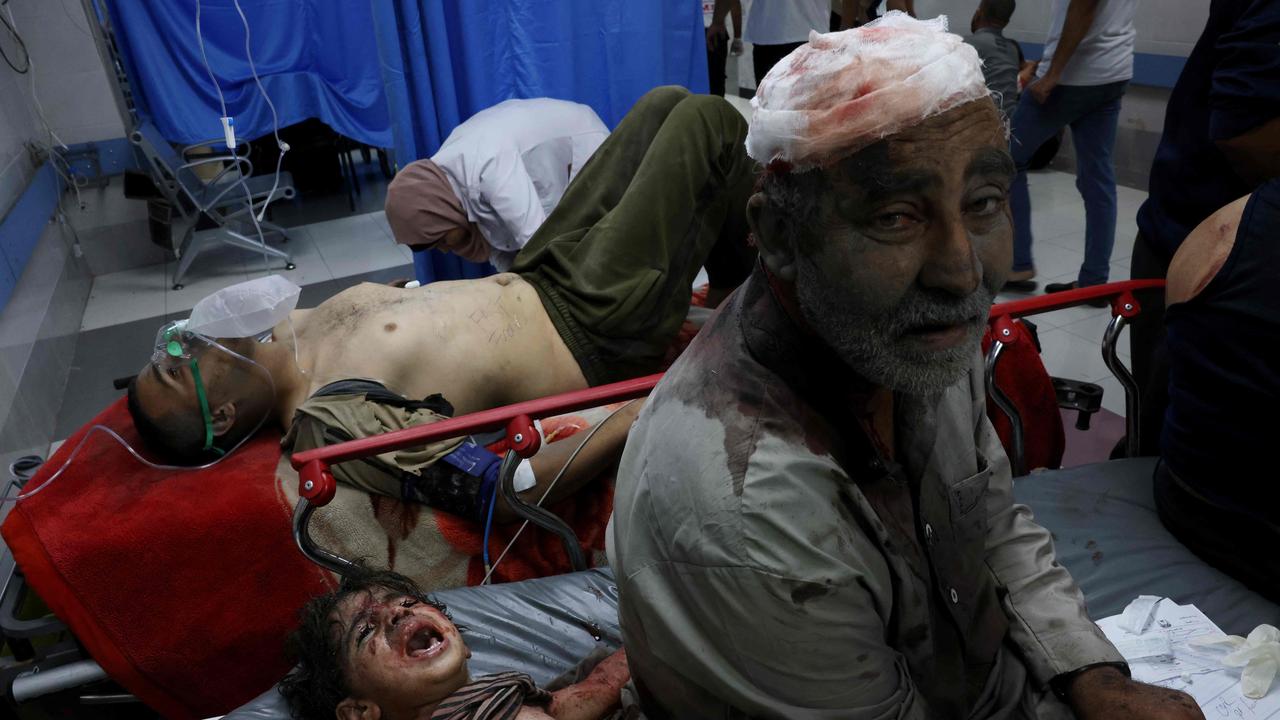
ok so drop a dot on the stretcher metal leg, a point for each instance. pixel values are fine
(31, 685)
(1132, 400)
(1002, 401)
(318, 555)
(541, 517)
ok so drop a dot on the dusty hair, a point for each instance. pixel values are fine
(319, 681)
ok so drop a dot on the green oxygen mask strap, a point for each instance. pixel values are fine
(204, 408)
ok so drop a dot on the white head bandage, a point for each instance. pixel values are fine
(846, 90)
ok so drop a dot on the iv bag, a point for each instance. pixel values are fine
(245, 309)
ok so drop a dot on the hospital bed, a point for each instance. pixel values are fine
(1102, 516)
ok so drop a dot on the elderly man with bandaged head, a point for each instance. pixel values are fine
(813, 516)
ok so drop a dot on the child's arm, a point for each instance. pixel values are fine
(596, 696)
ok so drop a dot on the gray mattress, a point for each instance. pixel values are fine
(1102, 517)
(1108, 535)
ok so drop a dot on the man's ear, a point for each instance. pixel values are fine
(224, 418)
(352, 709)
(776, 249)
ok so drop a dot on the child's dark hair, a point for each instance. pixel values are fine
(319, 682)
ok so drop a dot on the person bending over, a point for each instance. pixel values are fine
(1214, 486)
(378, 648)
(597, 296)
(813, 516)
(495, 179)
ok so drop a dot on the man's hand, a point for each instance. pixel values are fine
(1042, 88)
(1027, 73)
(1104, 693)
(595, 696)
(716, 34)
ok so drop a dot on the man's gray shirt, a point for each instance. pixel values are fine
(999, 66)
(771, 564)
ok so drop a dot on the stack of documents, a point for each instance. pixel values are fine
(1163, 653)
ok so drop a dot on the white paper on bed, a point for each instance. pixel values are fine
(1188, 666)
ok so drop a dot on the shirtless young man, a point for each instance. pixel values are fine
(596, 296)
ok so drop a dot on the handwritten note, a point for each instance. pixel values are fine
(1192, 669)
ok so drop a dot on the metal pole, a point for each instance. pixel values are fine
(1132, 399)
(1002, 401)
(30, 685)
(113, 66)
(315, 553)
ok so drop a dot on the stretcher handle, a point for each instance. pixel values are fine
(1071, 298)
(483, 421)
(1004, 331)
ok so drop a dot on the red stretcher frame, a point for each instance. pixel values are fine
(316, 484)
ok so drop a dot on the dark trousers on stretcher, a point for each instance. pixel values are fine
(663, 196)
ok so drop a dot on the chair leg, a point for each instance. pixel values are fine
(191, 247)
(270, 227)
(248, 243)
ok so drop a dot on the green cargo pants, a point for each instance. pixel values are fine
(664, 195)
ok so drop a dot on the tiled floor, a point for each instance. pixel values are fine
(126, 307)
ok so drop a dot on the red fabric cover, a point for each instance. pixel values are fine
(182, 585)
(1022, 376)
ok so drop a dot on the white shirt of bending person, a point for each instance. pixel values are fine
(510, 165)
(1105, 55)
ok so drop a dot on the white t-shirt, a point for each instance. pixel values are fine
(708, 11)
(510, 165)
(778, 22)
(1105, 55)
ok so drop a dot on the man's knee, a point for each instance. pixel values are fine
(712, 111)
(661, 99)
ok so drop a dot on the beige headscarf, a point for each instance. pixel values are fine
(422, 206)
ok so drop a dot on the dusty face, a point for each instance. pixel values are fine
(915, 240)
(399, 653)
(231, 385)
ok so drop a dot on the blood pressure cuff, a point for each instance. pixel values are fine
(456, 475)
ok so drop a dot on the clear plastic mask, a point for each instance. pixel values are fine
(186, 363)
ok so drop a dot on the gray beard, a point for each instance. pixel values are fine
(874, 343)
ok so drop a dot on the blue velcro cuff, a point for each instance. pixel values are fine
(478, 462)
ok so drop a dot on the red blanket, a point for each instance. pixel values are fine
(178, 583)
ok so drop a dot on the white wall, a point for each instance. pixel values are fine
(17, 127)
(70, 79)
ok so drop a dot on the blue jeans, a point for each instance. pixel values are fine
(1093, 113)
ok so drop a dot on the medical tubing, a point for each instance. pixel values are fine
(27, 55)
(129, 448)
(200, 42)
(275, 119)
(31, 74)
(573, 456)
(493, 501)
(275, 128)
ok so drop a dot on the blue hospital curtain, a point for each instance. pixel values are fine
(445, 60)
(316, 59)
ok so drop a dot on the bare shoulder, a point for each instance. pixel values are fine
(1203, 253)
